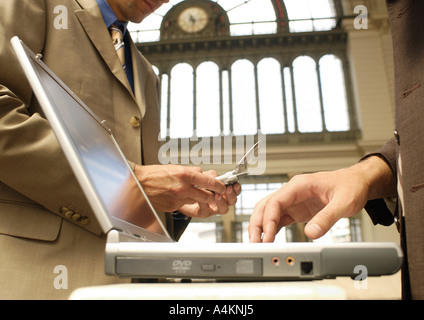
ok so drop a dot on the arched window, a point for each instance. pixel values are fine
(289, 99)
(250, 17)
(309, 117)
(226, 119)
(270, 96)
(243, 98)
(334, 94)
(181, 101)
(299, 98)
(207, 100)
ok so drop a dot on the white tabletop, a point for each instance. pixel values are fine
(386, 287)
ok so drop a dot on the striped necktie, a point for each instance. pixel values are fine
(118, 43)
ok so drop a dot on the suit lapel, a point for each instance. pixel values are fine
(140, 73)
(91, 18)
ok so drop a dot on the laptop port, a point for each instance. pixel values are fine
(290, 260)
(306, 267)
(275, 261)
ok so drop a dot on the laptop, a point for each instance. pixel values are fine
(138, 244)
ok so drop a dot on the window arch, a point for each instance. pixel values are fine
(301, 97)
(252, 17)
(181, 101)
(309, 117)
(334, 93)
(271, 83)
(243, 98)
(207, 100)
(270, 97)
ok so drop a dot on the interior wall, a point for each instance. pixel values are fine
(369, 56)
(370, 60)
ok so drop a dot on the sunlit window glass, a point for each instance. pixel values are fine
(201, 232)
(307, 95)
(181, 113)
(288, 91)
(207, 97)
(322, 10)
(148, 31)
(244, 98)
(270, 96)
(164, 107)
(226, 102)
(310, 15)
(334, 94)
(251, 194)
(250, 17)
(248, 11)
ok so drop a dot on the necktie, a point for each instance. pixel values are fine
(118, 43)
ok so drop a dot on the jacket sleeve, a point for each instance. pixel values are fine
(31, 160)
(382, 211)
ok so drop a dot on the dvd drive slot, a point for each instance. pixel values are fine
(189, 267)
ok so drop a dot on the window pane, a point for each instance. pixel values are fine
(301, 26)
(250, 195)
(248, 18)
(309, 15)
(164, 107)
(334, 94)
(270, 96)
(181, 125)
(244, 98)
(243, 29)
(249, 11)
(288, 90)
(145, 36)
(307, 95)
(230, 4)
(199, 231)
(264, 28)
(226, 103)
(151, 22)
(207, 97)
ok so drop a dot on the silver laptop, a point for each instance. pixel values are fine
(138, 244)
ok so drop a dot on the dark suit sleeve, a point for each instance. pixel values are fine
(379, 210)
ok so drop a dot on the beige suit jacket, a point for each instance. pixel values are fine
(45, 220)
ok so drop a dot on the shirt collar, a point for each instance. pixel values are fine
(109, 16)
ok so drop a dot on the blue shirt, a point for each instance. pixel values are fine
(110, 18)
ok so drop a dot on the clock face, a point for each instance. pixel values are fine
(193, 19)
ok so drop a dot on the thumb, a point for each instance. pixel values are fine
(322, 222)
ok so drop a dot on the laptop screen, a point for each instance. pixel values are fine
(114, 193)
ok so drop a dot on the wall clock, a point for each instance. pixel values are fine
(193, 19)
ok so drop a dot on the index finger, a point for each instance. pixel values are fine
(271, 220)
(205, 181)
(294, 192)
(256, 221)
